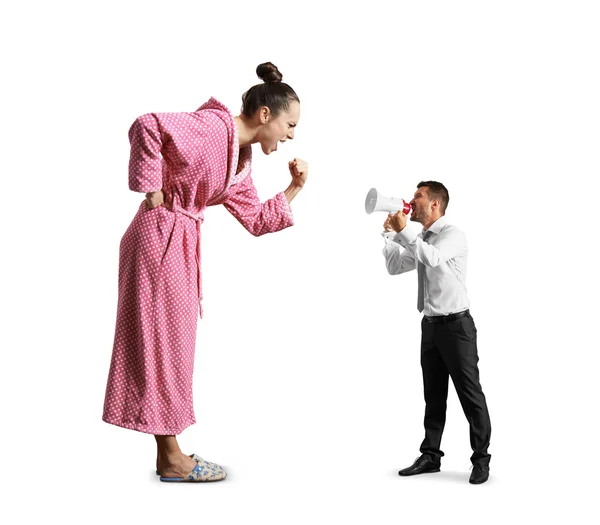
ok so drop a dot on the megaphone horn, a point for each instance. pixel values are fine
(377, 202)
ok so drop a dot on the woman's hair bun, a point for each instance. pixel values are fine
(273, 93)
(268, 72)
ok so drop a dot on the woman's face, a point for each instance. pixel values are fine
(277, 129)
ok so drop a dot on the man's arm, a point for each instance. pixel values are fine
(450, 243)
(396, 261)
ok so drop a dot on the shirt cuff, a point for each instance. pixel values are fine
(406, 236)
(388, 237)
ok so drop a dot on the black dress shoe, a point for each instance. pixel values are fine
(480, 474)
(422, 465)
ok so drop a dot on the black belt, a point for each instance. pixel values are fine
(444, 318)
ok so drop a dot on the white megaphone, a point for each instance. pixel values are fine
(377, 202)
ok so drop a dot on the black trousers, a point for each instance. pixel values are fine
(450, 350)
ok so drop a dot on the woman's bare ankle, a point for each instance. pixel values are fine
(175, 465)
(170, 461)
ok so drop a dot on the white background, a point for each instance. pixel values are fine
(307, 383)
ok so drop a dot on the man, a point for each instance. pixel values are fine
(449, 336)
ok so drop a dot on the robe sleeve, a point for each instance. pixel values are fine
(145, 161)
(258, 218)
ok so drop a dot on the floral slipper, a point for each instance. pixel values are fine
(201, 461)
(200, 473)
(198, 459)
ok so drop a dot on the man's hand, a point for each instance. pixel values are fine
(387, 225)
(397, 221)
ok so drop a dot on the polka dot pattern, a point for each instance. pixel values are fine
(196, 160)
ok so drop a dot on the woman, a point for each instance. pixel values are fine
(185, 162)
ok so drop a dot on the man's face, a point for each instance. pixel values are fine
(421, 205)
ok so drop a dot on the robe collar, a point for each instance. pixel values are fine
(236, 155)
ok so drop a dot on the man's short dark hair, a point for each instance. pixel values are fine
(437, 191)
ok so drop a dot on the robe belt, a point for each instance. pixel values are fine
(199, 218)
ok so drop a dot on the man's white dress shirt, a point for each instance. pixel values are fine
(443, 256)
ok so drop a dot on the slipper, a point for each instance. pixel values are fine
(198, 474)
(201, 461)
(198, 459)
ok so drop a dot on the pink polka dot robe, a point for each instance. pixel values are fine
(196, 160)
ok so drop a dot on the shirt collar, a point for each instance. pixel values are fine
(437, 226)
